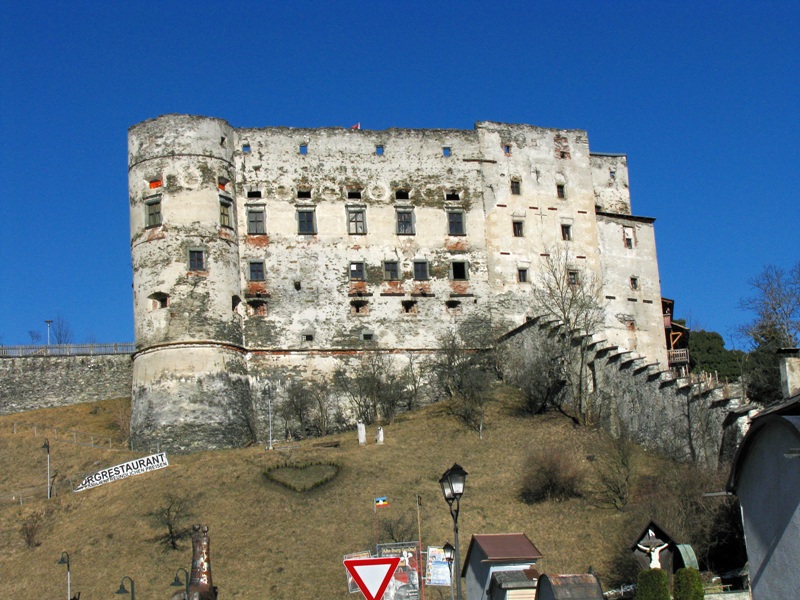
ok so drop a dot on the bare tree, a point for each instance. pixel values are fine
(61, 332)
(614, 468)
(538, 367)
(172, 515)
(36, 336)
(573, 297)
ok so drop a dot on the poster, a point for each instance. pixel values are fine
(132, 467)
(438, 569)
(352, 586)
(406, 581)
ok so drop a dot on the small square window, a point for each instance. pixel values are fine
(160, 300)
(305, 222)
(256, 221)
(246, 148)
(420, 270)
(507, 149)
(566, 232)
(561, 191)
(409, 307)
(359, 307)
(356, 221)
(446, 152)
(516, 186)
(224, 212)
(519, 228)
(254, 194)
(522, 275)
(153, 213)
(634, 283)
(196, 260)
(455, 222)
(303, 148)
(391, 270)
(304, 193)
(572, 278)
(459, 270)
(356, 271)
(627, 233)
(256, 270)
(379, 150)
(367, 336)
(452, 195)
(354, 194)
(307, 337)
(155, 184)
(453, 306)
(401, 194)
(405, 222)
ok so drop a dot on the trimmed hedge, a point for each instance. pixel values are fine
(688, 585)
(653, 584)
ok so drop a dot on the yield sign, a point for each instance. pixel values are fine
(372, 574)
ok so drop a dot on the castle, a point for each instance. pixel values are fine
(284, 250)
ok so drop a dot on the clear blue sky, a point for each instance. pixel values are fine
(703, 97)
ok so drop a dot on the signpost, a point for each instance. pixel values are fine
(372, 574)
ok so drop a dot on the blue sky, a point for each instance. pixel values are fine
(703, 97)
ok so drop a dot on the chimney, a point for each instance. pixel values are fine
(790, 371)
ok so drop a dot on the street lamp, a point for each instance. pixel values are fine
(453, 482)
(178, 583)
(122, 589)
(449, 551)
(49, 322)
(46, 446)
(64, 560)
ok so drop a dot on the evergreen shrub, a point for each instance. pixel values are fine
(653, 584)
(688, 585)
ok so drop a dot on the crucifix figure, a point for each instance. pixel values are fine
(653, 552)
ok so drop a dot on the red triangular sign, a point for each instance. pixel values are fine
(372, 574)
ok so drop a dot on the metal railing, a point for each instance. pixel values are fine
(68, 349)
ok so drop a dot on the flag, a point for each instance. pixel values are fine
(356, 126)
(382, 501)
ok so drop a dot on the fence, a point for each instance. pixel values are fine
(68, 349)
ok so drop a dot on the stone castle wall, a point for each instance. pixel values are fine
(32, 382)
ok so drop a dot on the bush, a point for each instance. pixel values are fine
(553, 474)
(653, 584)
(31, 528)
(688, 585)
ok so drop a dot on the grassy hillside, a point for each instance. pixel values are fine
(268, 541)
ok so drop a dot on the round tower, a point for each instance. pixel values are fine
(190, 388)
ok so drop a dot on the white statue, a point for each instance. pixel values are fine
(653, 551)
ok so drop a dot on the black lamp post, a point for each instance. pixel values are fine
(64, 560)
(122, 589)
(178, 583)
(453, 482)
(46, 446)
(449, 551)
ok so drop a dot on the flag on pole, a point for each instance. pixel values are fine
(382, 501)
(356, 126)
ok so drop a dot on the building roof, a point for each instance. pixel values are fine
(569, 587)
(524, 579)
(503, 548)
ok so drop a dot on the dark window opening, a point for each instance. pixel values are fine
(367, 336)
(356, 222)
(245, 148)
(612, 174)
(222, 141)
(522, 275)
(160, 300)
(507, 149)
(307, 337)
(235, 302)
(566, 232)
(391, 270)
(628, 237)
(446, 152)
(379, 150)
(196, 260)
(304, 193)
(519, 228)
(572, 278)
(154, 213)
(455, 222)
(303, 148)
(452, 195)
(256, 270)
(459, 270)
(563, 154)
(354, 194)
(409, 306)
(634, 283)
(401, 194)
(405, 222)
(561, 191)
(225, 213)
(256, 221)
(254, 194)
(356, 271)
(257, 308)
(305, 222)
(420, 270)
(359, 307)
(516, 187)
(453, 305)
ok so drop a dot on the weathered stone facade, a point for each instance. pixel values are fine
(282, 247)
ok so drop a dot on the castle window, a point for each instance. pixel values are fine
(455, 222)
(303, 149)
(572, 278)
(405, 222)
(304, 192)
(566, 232)
(159, 300)
(153, 212)
(356, 221)
(256, 272)
(612, 174)
(235, 302)
(256, 220)
(507, 149)
(356, 271)
(155, 184)
(379, 150)
(421, 270)
(634, 283)
(459, 270)
(401, 194)
(197, 260)
(222, 183)
(246, 148)
(254, 194)
(627, 233)
(522, 275)
(307, 336)
(518, 228)
(367, 336)
(391, 270)
(359, 307)
(516, 186)
(224, 212)
(452, 195)
(257, 308)
(409, 307)
(561, 190)
(354, 194)
(453, 306)
(446, 152)
(306, 224)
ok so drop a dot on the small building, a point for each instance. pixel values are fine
(499, 567)
(569, 587)
(766, 478)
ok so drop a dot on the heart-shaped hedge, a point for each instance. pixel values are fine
(303, 477)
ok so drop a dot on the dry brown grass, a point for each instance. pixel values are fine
(268, 541)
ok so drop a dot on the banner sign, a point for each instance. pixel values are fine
(438, 571)
(406, 580)
(352, 586)
(132, 467)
